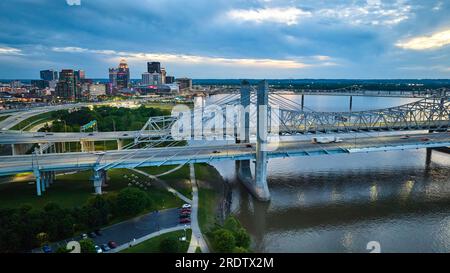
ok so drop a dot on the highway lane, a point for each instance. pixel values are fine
(204, 153)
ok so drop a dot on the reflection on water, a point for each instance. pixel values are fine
(340, 203)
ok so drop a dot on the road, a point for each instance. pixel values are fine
(204, 153)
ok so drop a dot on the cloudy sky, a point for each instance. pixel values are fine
(229, 38)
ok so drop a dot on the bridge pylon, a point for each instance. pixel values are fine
(257, 186)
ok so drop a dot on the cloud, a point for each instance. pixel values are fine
(288, 16)
(293, 63)
(10, 51)
(434, 41)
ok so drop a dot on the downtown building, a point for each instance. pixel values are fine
(68, 87)
(119, 78)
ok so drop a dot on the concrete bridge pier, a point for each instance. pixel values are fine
(99, 180)
(119, 144)
(258, 186)
(43, 181)
(87, 146)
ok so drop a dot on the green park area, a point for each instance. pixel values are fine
(165, 243)
(2, 118)
(28, 123)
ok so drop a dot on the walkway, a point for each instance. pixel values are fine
(148, 237)
(197, 239)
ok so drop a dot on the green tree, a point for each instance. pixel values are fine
(131, 201)
(232, 224)
(224, 240)
(242, 238)
(240, 250)
(169, 245)
(87, 246)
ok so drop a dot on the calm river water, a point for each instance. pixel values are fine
(340, 203)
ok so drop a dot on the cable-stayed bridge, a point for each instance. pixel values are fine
(273, 118)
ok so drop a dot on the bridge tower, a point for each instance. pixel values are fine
(258, 186)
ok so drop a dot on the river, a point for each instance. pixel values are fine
(340, 203)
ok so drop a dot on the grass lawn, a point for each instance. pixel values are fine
(208, 197)
(179, 179)
(152, 245)
(27, 123)
(4, 117)
(74, 189)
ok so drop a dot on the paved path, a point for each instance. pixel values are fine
(197, 239)
(148, 237)
(167, 187)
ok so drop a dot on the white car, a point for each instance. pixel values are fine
(186, 206)
(98, 249)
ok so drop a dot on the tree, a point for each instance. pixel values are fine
(87, 246)
(242, 238)
(131, 201)
(97, 211)
(224, 240)
(169, 245)
(240, 250)
(232, 224)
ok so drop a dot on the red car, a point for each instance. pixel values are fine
(425, 139)
(185, 211)
(112, 244)
(185, 220)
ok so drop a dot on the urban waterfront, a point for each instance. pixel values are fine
(340, 203)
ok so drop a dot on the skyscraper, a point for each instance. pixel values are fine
(154, 67)
(80, 75)
(49, 75)
(123, 75)
(67, 86)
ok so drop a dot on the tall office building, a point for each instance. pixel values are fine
(113, 77)
(123, 75)
(147, 79)
(68, 87)
(154, 67)
(80, 75)
(49, 75)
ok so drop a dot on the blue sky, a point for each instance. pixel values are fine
(229, 38)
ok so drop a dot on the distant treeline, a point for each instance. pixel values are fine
(323, 84)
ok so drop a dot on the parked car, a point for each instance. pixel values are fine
(84, 236)
(47, 249)
(105, 248)
(186, 206)
(112, 244)
(249, 146)
(185, 216)
(404, 137)
(92, 235)
(98, 232)
(98, 249)
(185, 210)
(216, 152)
(185, 220)
(425, 139)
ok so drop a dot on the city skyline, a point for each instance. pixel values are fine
(370, 39)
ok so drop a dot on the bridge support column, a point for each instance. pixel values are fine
(258, 186)
(99, 179)
(87, 146)
(351, 103)
(303, 101)
(428, 157)
(119, 144)
(37, 175)
(262, 189)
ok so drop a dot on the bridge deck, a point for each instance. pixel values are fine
(202, 154)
